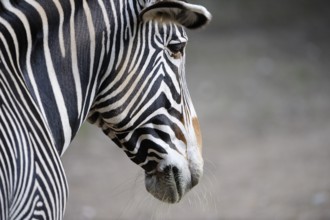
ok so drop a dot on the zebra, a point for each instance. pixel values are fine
(119, 64)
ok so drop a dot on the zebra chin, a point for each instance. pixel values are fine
(173, 177)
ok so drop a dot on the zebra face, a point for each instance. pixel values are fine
(147, 109)
(171, 137)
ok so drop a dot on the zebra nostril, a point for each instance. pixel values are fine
(172, 174)
(171, 171)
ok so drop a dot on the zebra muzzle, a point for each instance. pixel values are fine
(173, 178)
(167, 185)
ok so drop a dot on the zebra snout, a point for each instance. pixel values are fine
(171, 181)
(166, 185)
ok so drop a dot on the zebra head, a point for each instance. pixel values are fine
(144, 105)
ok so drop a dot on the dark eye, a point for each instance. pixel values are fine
(176, 49)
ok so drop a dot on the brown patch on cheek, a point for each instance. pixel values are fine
(197, 132)
(179, 134)
(181, 137)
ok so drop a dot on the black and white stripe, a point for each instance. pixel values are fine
(32, 180)
(64, 61)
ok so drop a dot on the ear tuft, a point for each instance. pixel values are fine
(189, 15)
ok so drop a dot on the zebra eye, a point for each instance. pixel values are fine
(176, 49)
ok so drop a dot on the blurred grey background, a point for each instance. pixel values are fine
(259, 76)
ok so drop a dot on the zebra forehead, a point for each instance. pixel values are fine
(170, 30)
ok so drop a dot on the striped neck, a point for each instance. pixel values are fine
(66, 48)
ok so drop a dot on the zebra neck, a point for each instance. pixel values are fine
(63, 50)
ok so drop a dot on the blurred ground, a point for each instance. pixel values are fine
(259, 76)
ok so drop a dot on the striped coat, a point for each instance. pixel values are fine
(119, 64)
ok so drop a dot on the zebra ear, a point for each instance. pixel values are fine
(189, 15)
